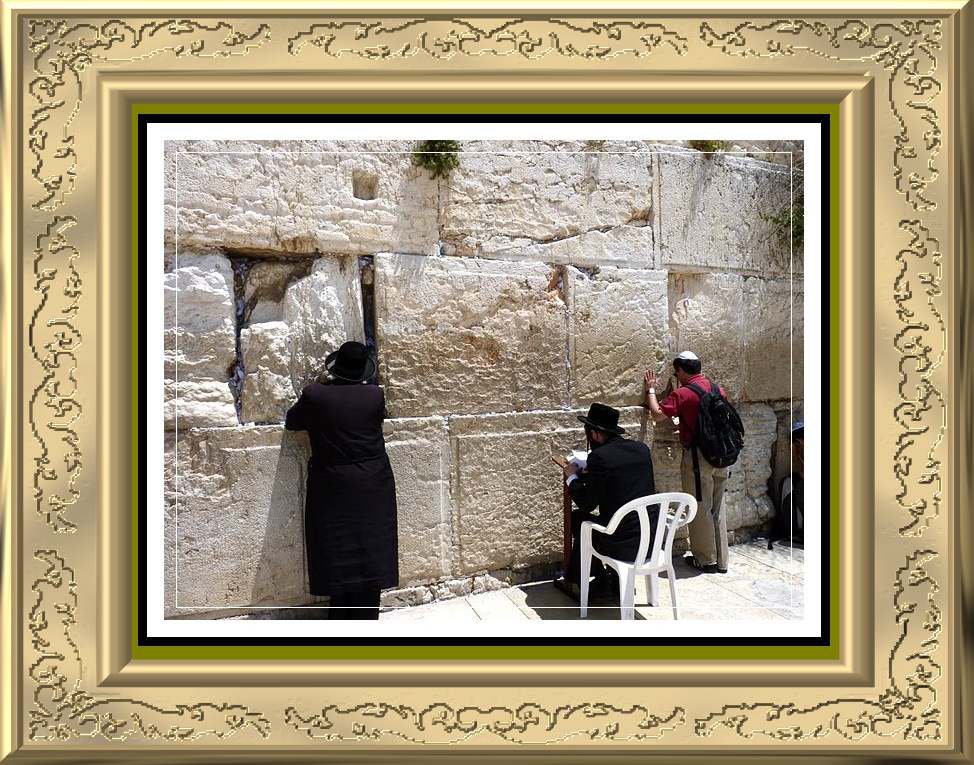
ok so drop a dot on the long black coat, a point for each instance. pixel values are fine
(350, 512)
(617, 472)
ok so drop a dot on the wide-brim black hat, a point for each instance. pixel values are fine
(351, 362)
(603, 417)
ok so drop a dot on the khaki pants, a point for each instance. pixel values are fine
(708, 529)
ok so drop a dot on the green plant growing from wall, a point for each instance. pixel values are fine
(787, 225)
(439, 157)
(710, 147)
(595, 145)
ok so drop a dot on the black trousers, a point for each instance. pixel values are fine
(361, 603)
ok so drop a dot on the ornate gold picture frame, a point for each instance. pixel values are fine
(73, 687)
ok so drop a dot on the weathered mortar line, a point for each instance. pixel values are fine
(241, 269)
(366, 265)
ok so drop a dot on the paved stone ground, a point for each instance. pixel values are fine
(760, 584)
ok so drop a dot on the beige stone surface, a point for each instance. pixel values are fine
(198, 404)
(774, 335)
(522, 201)
(617, 330)
(265, 286)
(298, 197)
(508, 492)
(463, 335)
(747, 500)
(267, 388)
(198, 341)
(238, 519)
(714, 213)
(322, 311)
(707, 317)
(419, 450)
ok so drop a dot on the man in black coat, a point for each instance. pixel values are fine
(350, 515)
(618, 471)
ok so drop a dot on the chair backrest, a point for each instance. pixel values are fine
(675, 510)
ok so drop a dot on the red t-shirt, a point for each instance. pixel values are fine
(685, 404)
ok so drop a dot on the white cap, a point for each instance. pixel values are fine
(688, 356)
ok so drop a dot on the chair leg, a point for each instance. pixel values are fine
(627, 593)
(652, 589)
(671, 578)
(586, 567)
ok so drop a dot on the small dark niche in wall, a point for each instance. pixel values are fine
(365, 185)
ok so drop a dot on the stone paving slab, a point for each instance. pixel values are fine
(761, 585)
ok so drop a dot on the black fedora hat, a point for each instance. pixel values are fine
(351, 362)
(603, 417)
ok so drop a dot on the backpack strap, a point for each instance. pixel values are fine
(696, 389)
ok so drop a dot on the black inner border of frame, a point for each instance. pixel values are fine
(824, 124)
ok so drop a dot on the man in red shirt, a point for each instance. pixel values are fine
(708, 530)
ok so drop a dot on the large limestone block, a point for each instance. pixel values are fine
(464, 335)
(706, 317)
(419, 450)
(265, 286)
(198, 404)
(618, 330)
(198, 341)
(774, 339)
(237, 512)
(747, 500)
(508, 493)
(300, 197)
(552, 203)
(715, 210)
(267, 388)
(322, 311)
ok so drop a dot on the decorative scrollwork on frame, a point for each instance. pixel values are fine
(63, 51)
(381, 39)
(64, 711)
(527, 723)
(921, 344)
(906, 50)
(906, 709)
(54, 338)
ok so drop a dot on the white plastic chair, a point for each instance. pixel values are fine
(676, 509)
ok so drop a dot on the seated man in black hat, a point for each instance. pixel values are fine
(618, 471)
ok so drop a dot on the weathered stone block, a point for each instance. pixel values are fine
(322, 311)
(419, 450)
(463, 335)
(774, 345)
(266, 285)
(618, 329)
(553, 205)
(267, 388)
(198, 341)
(238, 514)
(747, 500)
(706, 317)
(198, 404)
(715, 211)
(508, 492)
(300, 197)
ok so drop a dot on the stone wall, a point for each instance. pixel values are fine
(542, 276)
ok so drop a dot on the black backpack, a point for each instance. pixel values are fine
(720, 432)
